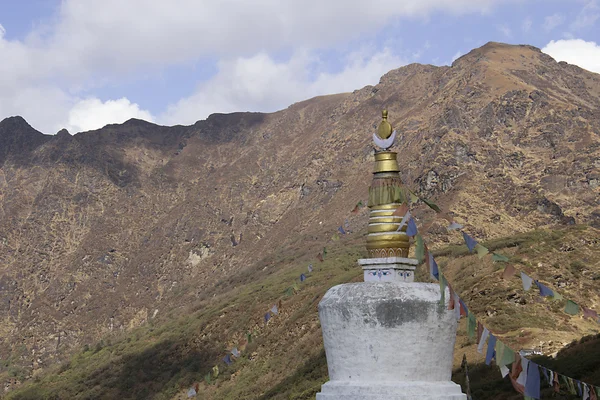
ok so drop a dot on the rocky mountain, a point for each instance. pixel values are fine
(108, 230)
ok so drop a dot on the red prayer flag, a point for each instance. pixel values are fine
(509, 272)
(320, 257)
(401, 210)
(517, 368)
(587, 313)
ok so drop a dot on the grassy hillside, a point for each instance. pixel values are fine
(285, 358)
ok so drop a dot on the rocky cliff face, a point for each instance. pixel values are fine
(104, 230)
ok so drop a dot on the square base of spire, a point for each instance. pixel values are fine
(388, 269)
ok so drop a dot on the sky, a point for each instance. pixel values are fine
(82, 64)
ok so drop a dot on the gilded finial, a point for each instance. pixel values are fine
(385, 128)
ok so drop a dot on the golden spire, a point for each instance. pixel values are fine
(387, 237)
(385, 128)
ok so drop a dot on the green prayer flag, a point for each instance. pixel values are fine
(289, 291)
(419, 249)
(431, 205)
(249, 337)
(324, 251)
(335, 237)
(296, 287)
(207, 378)
(471, 325)
(508, 356)
(556, 296)
(413, 197)
(499, 257)
(481, 251)
(443, 285)
(571, 308)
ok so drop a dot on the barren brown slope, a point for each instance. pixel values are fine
(101, 231)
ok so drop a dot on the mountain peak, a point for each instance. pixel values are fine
(17, 137)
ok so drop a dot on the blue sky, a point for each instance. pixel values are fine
(81, 64)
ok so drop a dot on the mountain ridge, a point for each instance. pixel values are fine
(505, 140)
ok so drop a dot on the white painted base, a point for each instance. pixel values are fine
(391, 391)
(388, 340)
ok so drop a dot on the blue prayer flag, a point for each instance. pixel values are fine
(469, 241)
(532, 385)
(490, 349)
(411, 229)
(544, 290)
(267, 317)
(341, 230)
(464, 306)
(302, 277)
(453, 226)
(579, 392)
(433, 267)
(227, 359)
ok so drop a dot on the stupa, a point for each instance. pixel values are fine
(388, 337)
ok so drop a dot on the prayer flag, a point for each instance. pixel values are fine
(571, 308)
(341, 230)
(456, 306)
(191, 393)
(508, 357)
(310, 268)
(509, 272)
(593, 393)
(431, 205)
(499, 258)
(464, 311)
(484, 336)
(453, 226)
(289, 291)
(324, 251)
(207, 378)
(235, 352)
(274, 310)
(516, 371)
(346, 224)
(471, 324)
(499, 352)
(555, 383)
(401, 210)
(302, 277)
(522, 379)
(443, 285)
(527, 281)
(433, 269)
(556, 296)
(588, 313)
(335, 237)
(504, 370)
(295, 286)
(413, 197)
(403, 222)
(249, 337)
(216, 371)
(490, 349)
(419, 249)
(481, 250)
(544, 290)
(579, 391)
(227, 359)
(411, 230)
(267, 317)
(469, 241)
(320, 257)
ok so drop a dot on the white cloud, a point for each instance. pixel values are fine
(575, 51)
(91, 43)
(92, 113)
(506, 31)
(552, 21)
(587, 17)
(259, 83)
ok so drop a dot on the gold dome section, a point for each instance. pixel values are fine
(391, 244)
(380, 227)
(386, 161)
